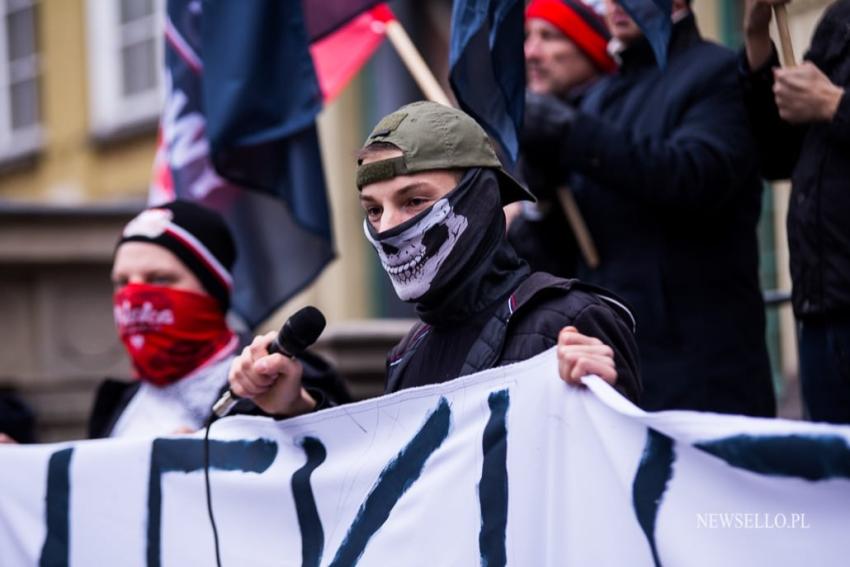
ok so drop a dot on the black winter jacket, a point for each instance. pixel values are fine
(817, 159)
(664, 170)
(528, 321)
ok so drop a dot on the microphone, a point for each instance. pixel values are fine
(299, 332)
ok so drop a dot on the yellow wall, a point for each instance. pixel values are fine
(71, 167)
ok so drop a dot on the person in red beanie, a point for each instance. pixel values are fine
(663, 166)
(566, 52)
(566, 47)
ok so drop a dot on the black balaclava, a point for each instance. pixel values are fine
(452, 259)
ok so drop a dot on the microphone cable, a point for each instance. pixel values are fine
(298, 332)
(208, 490)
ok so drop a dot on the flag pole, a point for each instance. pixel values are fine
(576, 221)
(415, 64)
(432, 90)
(784, 35)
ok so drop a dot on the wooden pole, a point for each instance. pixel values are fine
(784, 35)
(415, 64)
(576, 220)
(434, 92)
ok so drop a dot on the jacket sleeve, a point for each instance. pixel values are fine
(778, 143)
(602, 322)
(323, 382)
(704, 158)
(110, 401)
(16, 418)
(537, 326)
(839, 129)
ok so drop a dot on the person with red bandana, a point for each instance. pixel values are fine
(172, 278)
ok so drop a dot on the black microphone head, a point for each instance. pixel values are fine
(301, 330)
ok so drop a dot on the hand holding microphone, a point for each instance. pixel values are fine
(267, 372)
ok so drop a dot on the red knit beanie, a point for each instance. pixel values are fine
(580, 24)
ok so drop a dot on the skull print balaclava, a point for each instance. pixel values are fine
(448, 245)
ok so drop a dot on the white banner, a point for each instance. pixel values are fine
(507, 467)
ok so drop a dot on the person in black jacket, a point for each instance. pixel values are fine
(433, 190)
(801, 117)
(566, 52)
(172, 282)
(663, 167)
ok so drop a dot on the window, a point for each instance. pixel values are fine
(20, 113)
(125, 63)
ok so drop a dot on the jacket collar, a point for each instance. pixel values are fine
(639, 54)
(488, 281)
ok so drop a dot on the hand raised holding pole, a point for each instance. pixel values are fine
(757, 16)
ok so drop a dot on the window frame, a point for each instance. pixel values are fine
(19, 142)
(112, 113)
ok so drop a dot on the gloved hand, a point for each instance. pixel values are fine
(545, 128)
(541, 181)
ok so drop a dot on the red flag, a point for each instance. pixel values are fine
(339, 56)
(285, 214)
